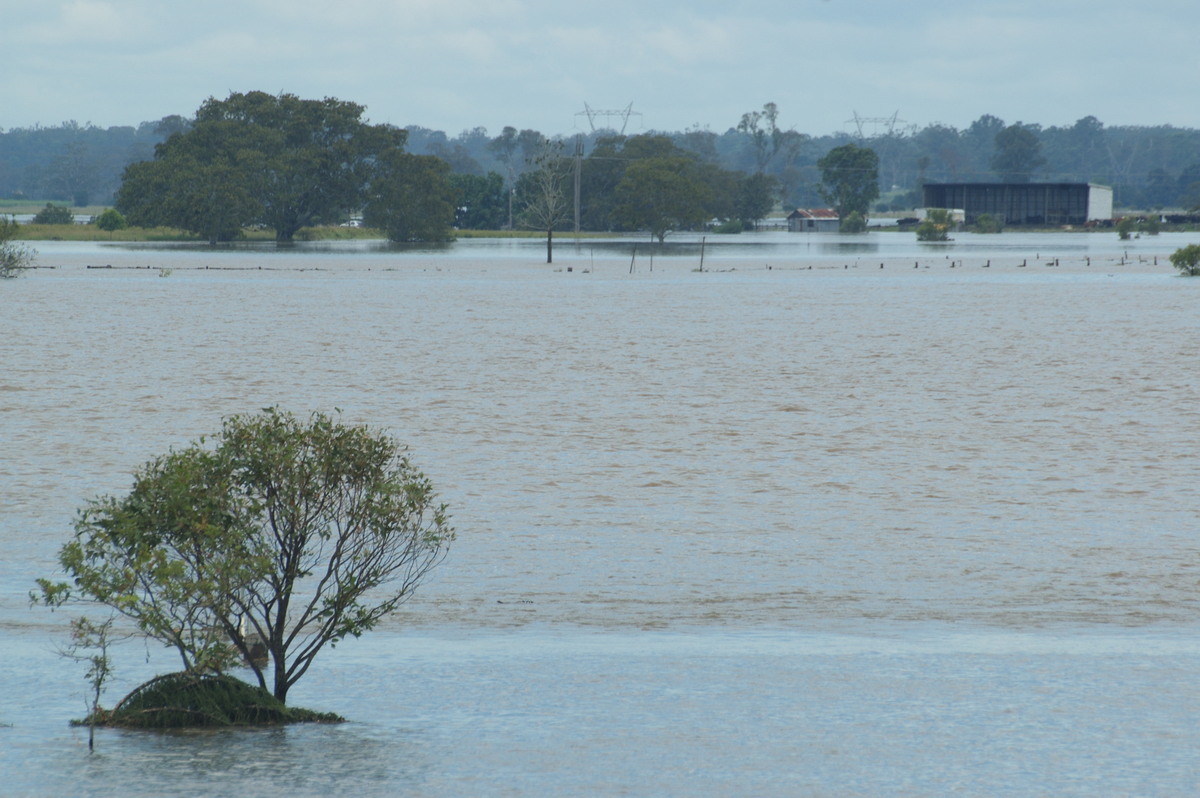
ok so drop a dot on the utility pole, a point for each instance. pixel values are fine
(578, 175)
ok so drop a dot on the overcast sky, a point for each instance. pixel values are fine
(458, 64)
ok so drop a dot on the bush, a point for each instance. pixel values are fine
(854, 223)
(986, 223)
(110, 220)
(1187, 260)
(729, 226)
(1148, 225)
(936, 226)
(54, 214)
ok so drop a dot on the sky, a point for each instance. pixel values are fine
(675, 64)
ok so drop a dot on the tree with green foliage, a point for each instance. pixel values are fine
(258, 158)
(213, 199)
(1126, 227)
(660, 195)
(410, 198)
(14, 258)
(54, 214)
(111, 219)
(1187, 260)
(756, 195)
(1018, 154)
(280, 538)
(849, 180)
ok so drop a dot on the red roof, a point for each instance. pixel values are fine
(814, 213)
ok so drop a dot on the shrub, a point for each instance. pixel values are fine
(854, 223)
(986, 223)
(936, 226)
(14, 258)
(110, 220)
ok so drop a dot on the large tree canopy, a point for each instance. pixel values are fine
(850, 179)
(660, 195)
(282, 537)
(257, 158)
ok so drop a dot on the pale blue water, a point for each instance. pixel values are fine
(837, 530)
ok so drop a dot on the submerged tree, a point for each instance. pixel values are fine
(284, 537)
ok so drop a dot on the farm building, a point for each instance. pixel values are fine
(813, 220)
(1024, 203)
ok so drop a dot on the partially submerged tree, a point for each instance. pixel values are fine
(284, 537)
(90, 642)
(543, 193)
(850, 180)
(14, 258)
(1187, 260)
(755, 199)
(410, 198)
(275, 160)
(661, 195)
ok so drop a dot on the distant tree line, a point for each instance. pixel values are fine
(1150, 167)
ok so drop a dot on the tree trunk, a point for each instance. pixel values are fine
(550, 245)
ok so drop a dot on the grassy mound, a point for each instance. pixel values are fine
(189, 700)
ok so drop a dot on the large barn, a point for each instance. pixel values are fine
(1024, 203)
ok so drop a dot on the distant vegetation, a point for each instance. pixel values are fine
(278, 162)
(1150, 166)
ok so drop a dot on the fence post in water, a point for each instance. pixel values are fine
(632, 258)
(703, 239)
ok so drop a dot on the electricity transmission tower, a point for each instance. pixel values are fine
(885, 123)
(592, 114)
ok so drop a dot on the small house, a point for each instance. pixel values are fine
(813, 220)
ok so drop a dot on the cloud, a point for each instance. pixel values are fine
(534, 63)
